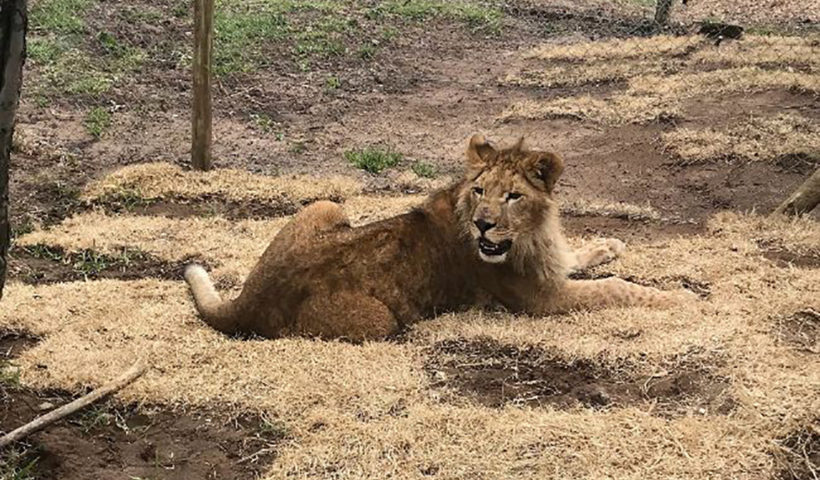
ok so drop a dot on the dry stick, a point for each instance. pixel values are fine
(804, 199)
(45, 420)
(201, 117)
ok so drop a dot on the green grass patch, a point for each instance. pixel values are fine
(263, 122)
(97, 121)
(423, 169)
(239, 34)
(59, 16)
(9, 376)
(44, 50)
(332, 83)
(16, 464)
(477, 17)
(366, 52)
(325, 29)
(71, 70)
(373, 159)
(88, 263)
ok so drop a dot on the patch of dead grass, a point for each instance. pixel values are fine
(660, 72)
(231, 246)
(759, 139)
(772, 50)
(653, 97)
(367, 411)
(617, 49)
(157, 180)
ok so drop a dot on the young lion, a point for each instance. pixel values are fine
(493, 236)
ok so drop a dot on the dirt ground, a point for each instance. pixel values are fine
(693, 400)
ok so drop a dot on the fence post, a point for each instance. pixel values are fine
(13, 22)
(662, 11)
(202, 116)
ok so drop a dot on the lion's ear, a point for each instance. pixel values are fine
(543, 169)
(479, 152)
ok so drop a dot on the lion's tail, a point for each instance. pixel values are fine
(218, 314)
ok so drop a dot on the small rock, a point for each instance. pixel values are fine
(45, 406)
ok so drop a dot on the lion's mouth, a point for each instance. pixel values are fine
(491, 249)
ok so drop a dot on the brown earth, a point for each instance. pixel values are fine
(109, 440)
(496, 375)
(44, 265)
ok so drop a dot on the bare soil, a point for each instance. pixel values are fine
(496, 375)
(801, 330)
(110, 440)
(32, 267)
(800, 453)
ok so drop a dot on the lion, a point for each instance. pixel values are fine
(492, 237)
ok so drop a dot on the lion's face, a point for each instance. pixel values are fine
(506, 198)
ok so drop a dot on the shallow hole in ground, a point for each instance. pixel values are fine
(494, 375)
(108, 440)
(800, 330)
(785, 258)
(700, 288)
(44, 264)
(798, 454)
(13, 343)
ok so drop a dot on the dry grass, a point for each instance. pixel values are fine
(555, 75)
(368, 411)
(372, 411)
(157, 180)
(660, 74)
(760, 139)
(651, 97)
(617, 49)
(763, 50)
(231, 247)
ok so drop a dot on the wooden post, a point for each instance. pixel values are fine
(13, 23)
(201, 119)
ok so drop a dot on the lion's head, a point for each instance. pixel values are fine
(506, 201)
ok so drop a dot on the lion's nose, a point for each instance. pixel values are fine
(483, 225)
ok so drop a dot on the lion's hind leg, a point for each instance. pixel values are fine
(350, 315)
(598, 252)
(315, 219)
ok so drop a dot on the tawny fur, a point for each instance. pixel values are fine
(320, 277)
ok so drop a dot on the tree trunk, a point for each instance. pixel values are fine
(662, 11)
(201, 116)
(804, 199)
(13, 24)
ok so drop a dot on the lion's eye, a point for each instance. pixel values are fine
(513, 196)
(478, 191)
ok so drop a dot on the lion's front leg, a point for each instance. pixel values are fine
(599, 252)
(610, 292)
